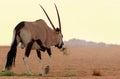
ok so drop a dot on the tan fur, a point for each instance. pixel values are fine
(39, 30)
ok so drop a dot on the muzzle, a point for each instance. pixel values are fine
(59, 45)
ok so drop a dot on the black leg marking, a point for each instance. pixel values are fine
(28, 49)
(49, 51)
(38, 53)
(47, 69)
(41, 45)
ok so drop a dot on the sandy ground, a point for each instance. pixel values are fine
(80, 63)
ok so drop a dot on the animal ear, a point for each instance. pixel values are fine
(57, 30)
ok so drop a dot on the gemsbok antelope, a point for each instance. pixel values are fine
(37, 36)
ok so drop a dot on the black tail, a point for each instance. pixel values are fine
(12, 52)
(11, 55)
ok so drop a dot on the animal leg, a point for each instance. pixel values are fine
(27, 53)
(26, 65)
(40, 62)
(22, 45)
(49, 61)
(41, 45)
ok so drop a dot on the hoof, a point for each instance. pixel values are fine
(30, 73)
(40, 74)
(5, 69)
(47, 70)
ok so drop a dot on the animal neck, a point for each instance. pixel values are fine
(52, 40)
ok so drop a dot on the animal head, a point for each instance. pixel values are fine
(59, 38)
(58, 31)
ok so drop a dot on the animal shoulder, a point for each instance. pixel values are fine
(39, 20)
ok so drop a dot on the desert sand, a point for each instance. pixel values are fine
(79, 63)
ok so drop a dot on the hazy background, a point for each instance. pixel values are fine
(92, 20)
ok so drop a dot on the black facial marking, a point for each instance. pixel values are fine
(57, 29)
(41, 45)
(59, 46)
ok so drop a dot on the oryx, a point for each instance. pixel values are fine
(37, 36)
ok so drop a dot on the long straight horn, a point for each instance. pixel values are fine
(48, 17)
(58, 17)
